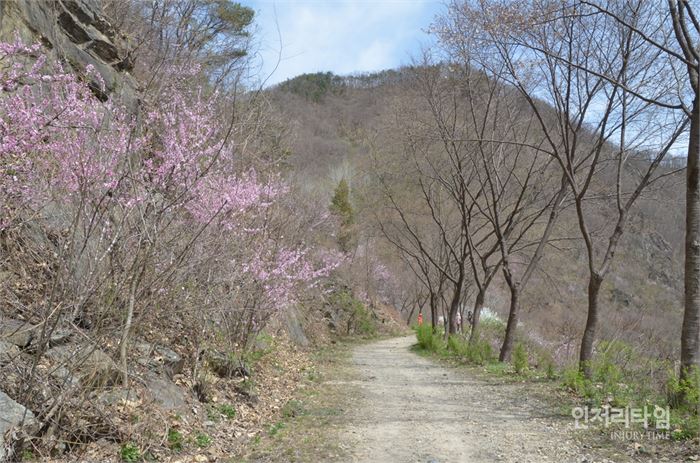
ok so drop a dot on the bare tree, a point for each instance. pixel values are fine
(523, 194)
(672, 31)
(434, 140)
(211, 35)
(591, 125)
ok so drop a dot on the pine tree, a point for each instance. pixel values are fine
(341, 207)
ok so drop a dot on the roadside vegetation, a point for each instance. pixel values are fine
(620, 378)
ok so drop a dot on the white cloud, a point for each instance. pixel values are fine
(376, 56)
(339, 36)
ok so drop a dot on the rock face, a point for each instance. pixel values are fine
(13, 416)
(78, 33)
(294, 327)
(227, 365)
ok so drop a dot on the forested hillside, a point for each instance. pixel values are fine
(346, 127)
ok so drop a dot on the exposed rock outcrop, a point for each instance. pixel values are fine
(160, 358)
(227, 365)
(165, 393)
(294, 327)
(77, 32)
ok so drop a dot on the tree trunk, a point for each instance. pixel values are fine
(433, 309)
(126, 331)
(410, 315)
(478, 305)
(586, 354)
(454, 307)
(512, 325)
(690, 358)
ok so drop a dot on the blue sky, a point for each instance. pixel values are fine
(341, 36)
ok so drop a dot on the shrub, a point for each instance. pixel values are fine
(458, 345)
(684, 424)
(620, 377)
(606, 385)
(360, 319)
(573, 380)
(550, 370)
(364, 324)
(492, 327)
(520, 360)
(427, 339)
(545, 362)
(479, 352)
(679, 390)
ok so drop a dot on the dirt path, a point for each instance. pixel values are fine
(383, 403)
(411, 409)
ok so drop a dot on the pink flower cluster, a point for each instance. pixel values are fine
(55, 136)
(230, 196)
(185, 141)
(59, 143)
(281, 272)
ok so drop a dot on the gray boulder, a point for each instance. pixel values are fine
(116, 396)
(166, 393)
(15, 421)
(60, 336)
(16, 332)
(26, 336)
(83, 363)
(160, 358)
(8, 352)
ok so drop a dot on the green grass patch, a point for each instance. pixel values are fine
(621, 378)
(175, 440)
(129, 452)
(458, 347)
(227, 410)
(292, 408)
(275, 429)
(427, 339)
(202, 440)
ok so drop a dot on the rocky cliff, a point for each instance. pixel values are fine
(77, 33)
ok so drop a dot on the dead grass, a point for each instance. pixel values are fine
(309, 426)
